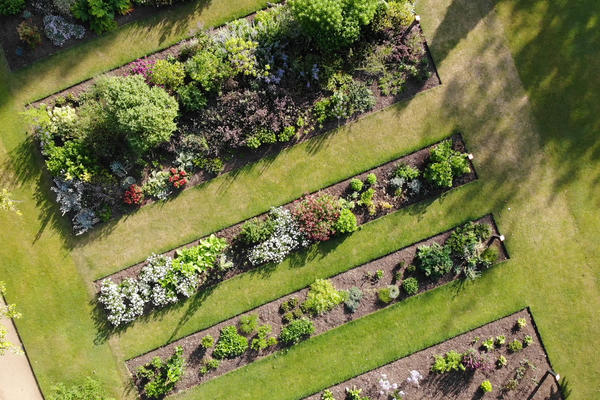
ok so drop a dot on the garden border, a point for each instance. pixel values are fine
(455, 137)
(534, 326)
(194, 338)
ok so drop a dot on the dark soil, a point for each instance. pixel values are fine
(392, 265)
(465, 386)
(9, 39)
(383, 194)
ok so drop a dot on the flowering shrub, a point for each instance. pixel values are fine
(178, 178)
(286, 238)
(123, 302)
(134, 195)
(317, 216)
(142, 67)
(58, 30)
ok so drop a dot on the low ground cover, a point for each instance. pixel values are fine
(337, 210)
(227, 98)
(329, 303)
(476, 364)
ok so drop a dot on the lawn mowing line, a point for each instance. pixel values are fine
(268, 312)
(372, 374)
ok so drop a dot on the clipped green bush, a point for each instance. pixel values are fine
(161, 376)
(347, 222)
(356, 185)
(410, 286)
(256, 230)
(296, 331)
(169, 75)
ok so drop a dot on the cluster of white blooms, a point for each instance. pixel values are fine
(286, 238)
(386, 387)
(414, 378)
(123, 302)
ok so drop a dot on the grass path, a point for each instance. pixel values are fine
(516, 80)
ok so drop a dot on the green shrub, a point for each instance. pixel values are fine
(162, 376)
(327, 395)
(209, 364)
(201, 258)
(387, 294)
(241, 56)
(29, 34)
(346, 223)
(256, 230)
(100, 14)
(191, 97)
(366, 198)
(501, 361)
(490, 255)
(131, 110)
(296, 331)
(451, 361)
(90, 389)
(170, 75)
(521, 323)
(410, 286)
(407, 172)
(486, 386)
(231, 344)
(371, 179)
(356, 184)
(322, 297)
(352, 302)
(74, 160)
(207, 342)
(434, 260)
(208, 70)
(11, 7)
(346, 101)
(262, 339)
(500, 340)
(288, 317)
(248, 324)
(465, 239)
(527, 340)
(333, 24)
(515, 346)
(445, 164)
(394, 14)
(488, 344)
(287, 134)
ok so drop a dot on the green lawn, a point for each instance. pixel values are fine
(517, 80)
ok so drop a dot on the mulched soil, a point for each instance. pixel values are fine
(9, 39)
(392, 264)
(465, 386)
(383, 194)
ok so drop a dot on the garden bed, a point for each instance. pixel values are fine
(370, 278)
(198, 115)
(10, 42)
(465, 385)
(385, 200)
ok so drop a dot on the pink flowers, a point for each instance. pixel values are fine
(143, 67)
(178, 178)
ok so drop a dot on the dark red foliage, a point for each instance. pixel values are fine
(317, 216)
(473, 361)
(134, 195)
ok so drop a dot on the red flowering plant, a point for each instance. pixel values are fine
(134, 195)
(178, 178)
(317, 216)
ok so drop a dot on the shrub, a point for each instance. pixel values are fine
(356, 185)
(248, 324)
(207, 69)
(488, 344)
(262, 339)
(90, 389)
(317, 216)
(387, 294)
(521, 323)
(58, 30)
(143, 116)
(231, 344)
(434, 260)
(72, 161)
(515, 346)
(395, 14)
(100, 14)
(178, 178)
(371, 179)
(169, 75)
(500, 340)
(256, 230)
(489, 256)
(333, 24)
(134, 196)
(287, 134)
(527, 340)
(162, 376)
(327, 395)
(203, 257)
(352, 302)
(451, 361)
(501, 361)
(407, 172)
(473, 360)
(445, 164)
(11, 7)
(322, 297)
(346, 223)
(209, 364)
(241, 54)
(366, 199)
(157, 185)
(30, 34)
(296, 331)
(486, 386)
(191, 97)
(410, 286)
(207, 342)
(464, 239)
